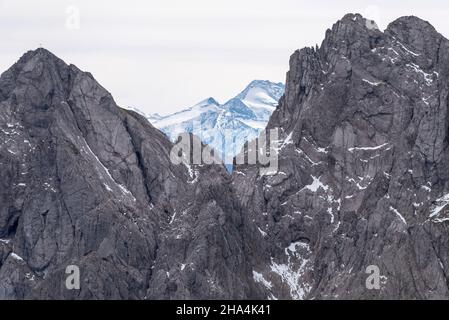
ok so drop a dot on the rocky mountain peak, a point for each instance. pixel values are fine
(86, 183)
(50, 73)
(349, 39)
(35, 62)
(411, 25)
(361, 182)
(356, 19)
(39, 53)
(419, 34)
(362, 175)
(350, 36)
(44, 80)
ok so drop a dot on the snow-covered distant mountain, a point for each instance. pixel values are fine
(225, 127)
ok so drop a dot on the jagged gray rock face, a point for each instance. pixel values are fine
(85, 183)
(362, 181)
(363, 173)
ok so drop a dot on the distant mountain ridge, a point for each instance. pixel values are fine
(225, 127)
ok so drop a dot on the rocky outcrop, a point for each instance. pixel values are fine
(86, 183)
(363, 168)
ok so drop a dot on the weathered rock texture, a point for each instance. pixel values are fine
(83, 182)
(363, 180)
(364, 168)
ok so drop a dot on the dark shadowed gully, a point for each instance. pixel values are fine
(363, 181)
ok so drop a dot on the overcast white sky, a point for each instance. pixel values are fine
(162, 56)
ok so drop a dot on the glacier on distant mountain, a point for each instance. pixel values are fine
(225, 127)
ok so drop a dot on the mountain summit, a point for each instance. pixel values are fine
(363, 184)
(87, 184)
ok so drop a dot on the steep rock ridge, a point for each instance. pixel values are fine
(363, 168)
(86, 183)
